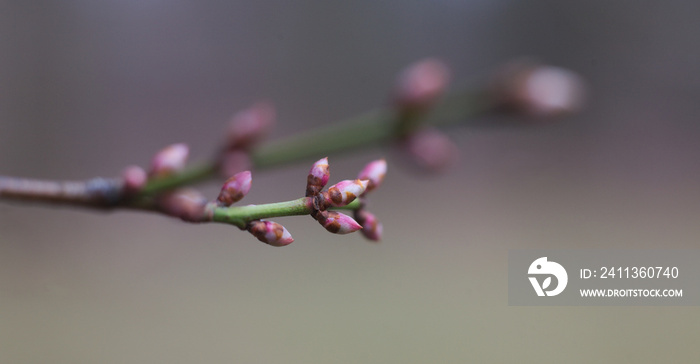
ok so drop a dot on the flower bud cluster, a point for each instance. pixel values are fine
(341, 194)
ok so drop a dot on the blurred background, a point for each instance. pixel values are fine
(88, 87)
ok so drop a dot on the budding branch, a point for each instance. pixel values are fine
(525, 87)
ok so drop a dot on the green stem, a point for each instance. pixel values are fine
(242, 215)
(369, 129)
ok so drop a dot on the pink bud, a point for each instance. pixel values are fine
(539, 90)
(344, 192)
(135, 179)
(431, 149)
(374, 172)
(318, 177)
(235, 188)
(270, 232)
(251, 125)
(550, 91)
(421, 83)
(338, 223)
(371, 228)
(170, 160)
(187, 204)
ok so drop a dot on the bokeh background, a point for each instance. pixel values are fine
(88, 87)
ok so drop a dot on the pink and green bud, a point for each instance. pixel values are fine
(134, 178)
(431, 149)
(373, 172)
(249, 126)
(318, 177)
(371, 227)
(422, 83)
(170, 160)
(235, 188)
(187, 204)
(344, 192)
(270, 232)
(338, 223)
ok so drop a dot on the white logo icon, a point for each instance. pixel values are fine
(542, 266)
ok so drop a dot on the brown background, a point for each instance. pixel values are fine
(88, 87)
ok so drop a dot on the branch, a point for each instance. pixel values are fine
(527, 88)
(321, 205)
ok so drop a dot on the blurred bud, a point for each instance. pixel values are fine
(134, 178)
(421, 84)
(234, 161)
(539, 90)
(431, 149)
(344, 192)
(371, 227)
(337, 223)
(373, 172)
(170, 160)
(187, 204)
(318, 177)
(270, 232)
(235, 188)
(251, 125)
